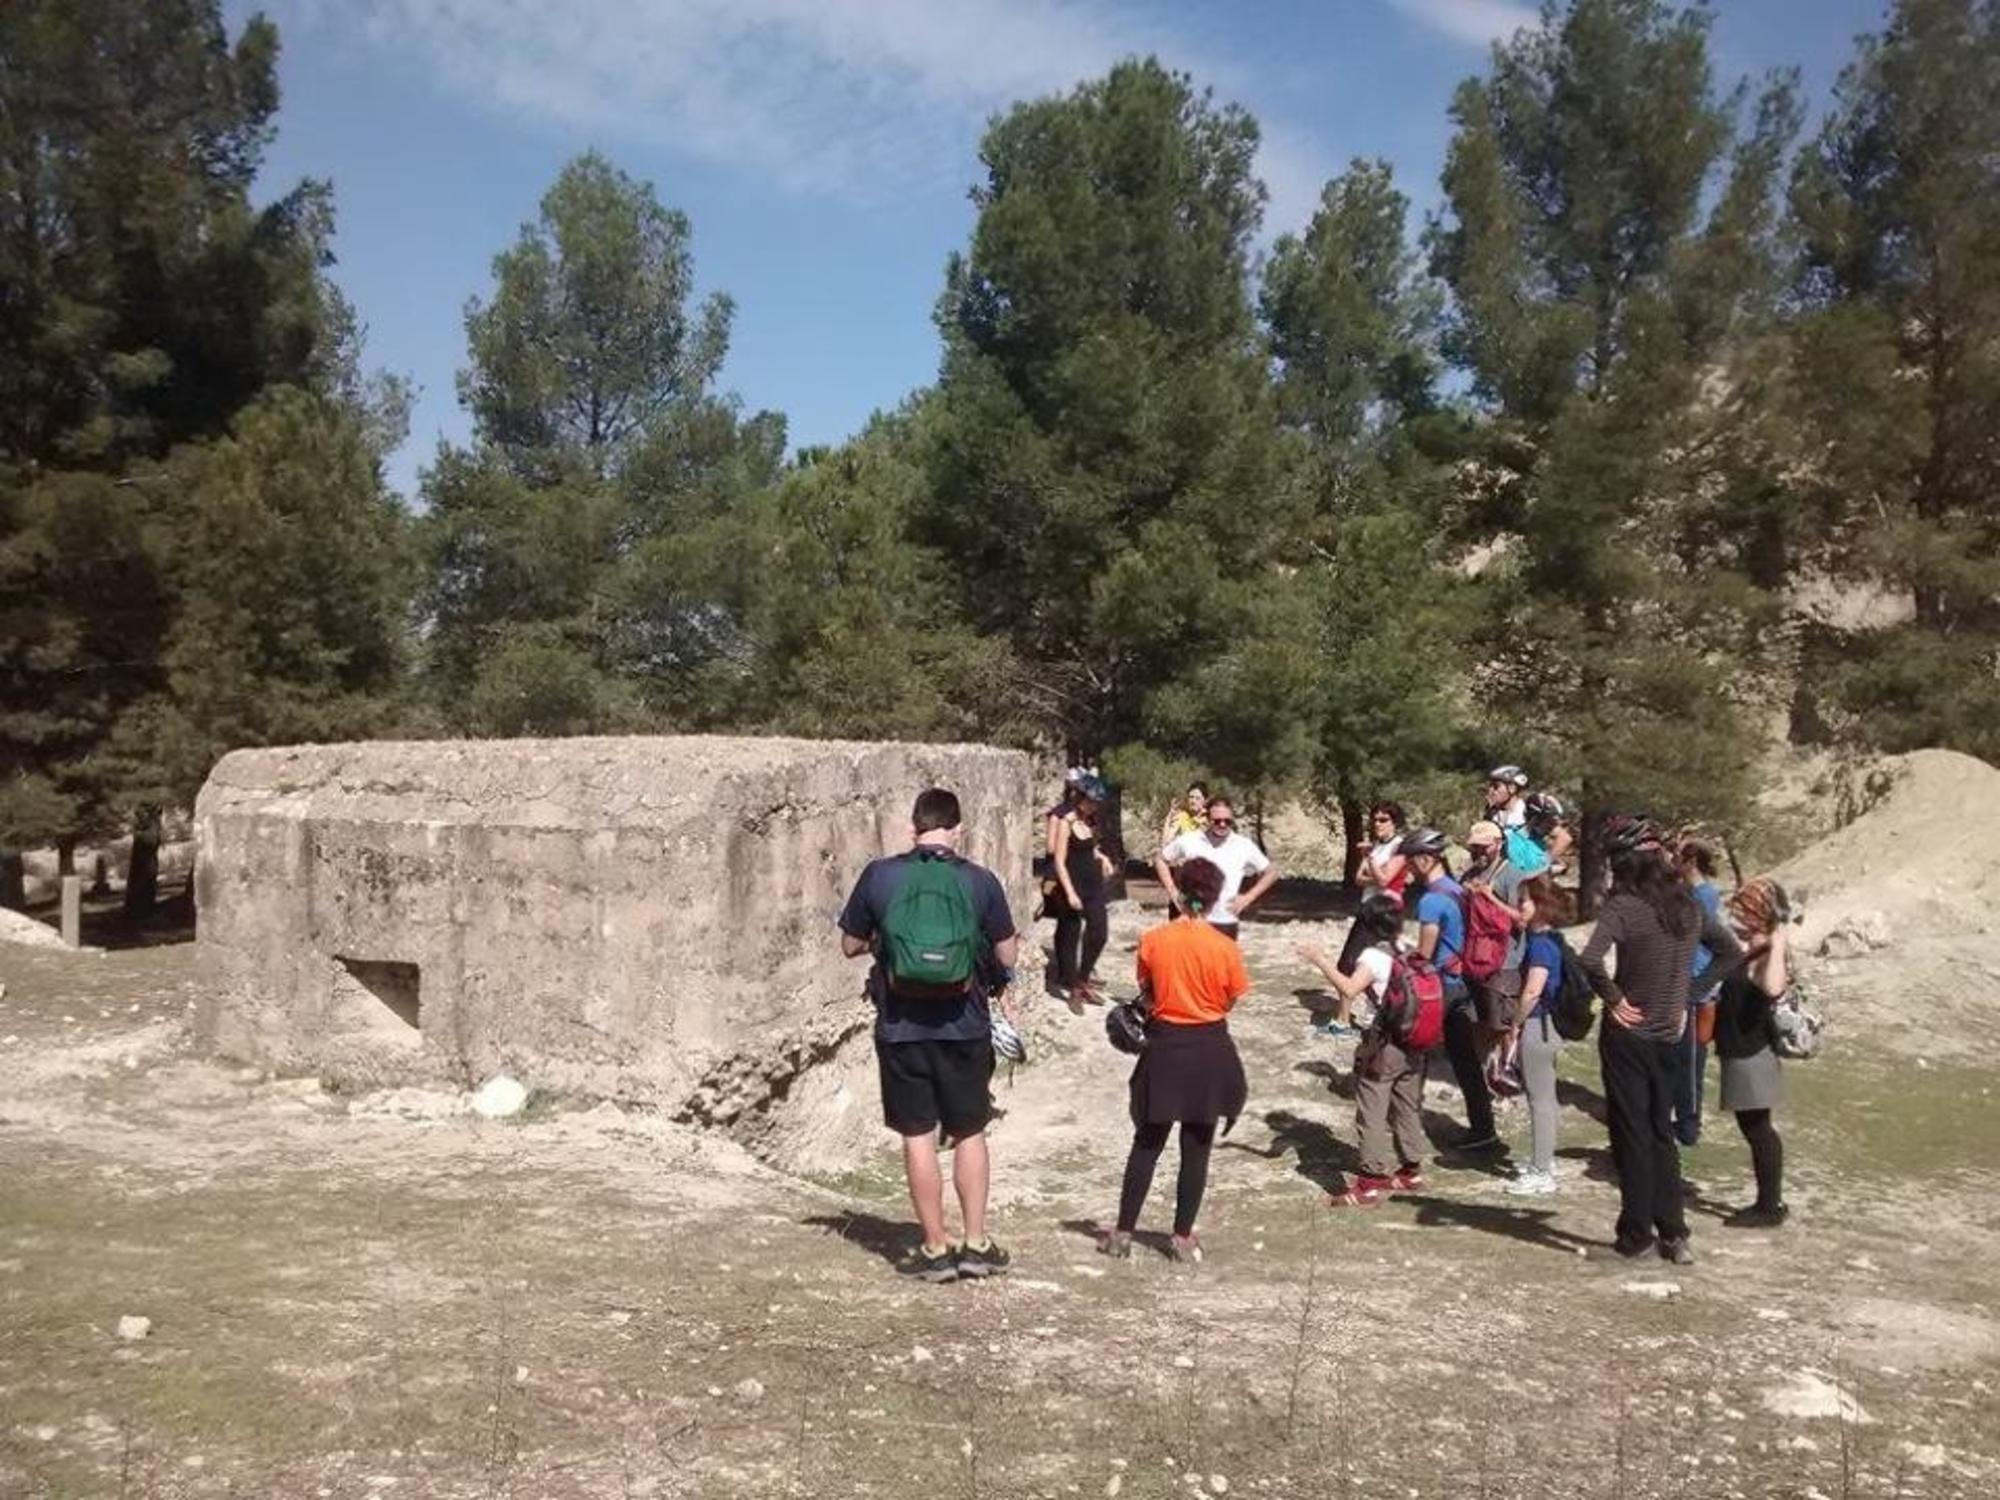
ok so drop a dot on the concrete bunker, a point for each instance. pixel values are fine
(642, 919)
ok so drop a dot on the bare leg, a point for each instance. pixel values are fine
(969, 1172)
(920, 1166)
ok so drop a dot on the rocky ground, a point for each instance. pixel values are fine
(389, 1296)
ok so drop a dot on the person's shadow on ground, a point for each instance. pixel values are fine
(1441, 1130)
(1320, 1156)
(1156, 1240)
(891, 1239)
(1585, 1100)
(1597, 1163)
(1531, 1226)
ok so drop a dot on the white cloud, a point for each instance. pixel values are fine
(870, 98)
(1478, 22)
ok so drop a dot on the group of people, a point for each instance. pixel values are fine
(1468, 963)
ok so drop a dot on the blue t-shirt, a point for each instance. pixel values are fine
(1443, 905)
(958, 1018)
(1709, 899)
(1545, 951)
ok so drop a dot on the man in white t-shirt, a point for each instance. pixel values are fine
(1506, 801)
(1229, 851)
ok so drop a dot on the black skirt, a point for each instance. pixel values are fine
(1188, 1075)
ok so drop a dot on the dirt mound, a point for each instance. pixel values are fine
(1899, 907)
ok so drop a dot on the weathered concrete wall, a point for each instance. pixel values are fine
(645, 919)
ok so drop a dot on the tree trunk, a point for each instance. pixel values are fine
(13, 881)
(142, 875)
(1257, 817)
(1351, 829)
(66, 855)
(1589, 862)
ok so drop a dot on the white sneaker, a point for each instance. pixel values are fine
(1531, 1184)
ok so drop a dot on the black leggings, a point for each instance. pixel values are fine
(1080, 940)
(1468, 1067)
(1148, 1141)
(1767, 1155)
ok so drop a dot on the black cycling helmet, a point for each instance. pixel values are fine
(1544, 810)
(1625, 833)
(1422, 841)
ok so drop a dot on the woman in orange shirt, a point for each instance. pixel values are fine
(1190, 1074)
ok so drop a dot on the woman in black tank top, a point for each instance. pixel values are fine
(1082, 923)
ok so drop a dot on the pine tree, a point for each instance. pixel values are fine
(1608, 244)
(582, 571)
(143, 303)
(1895, 468)
(1105, 485)
(1353, 327)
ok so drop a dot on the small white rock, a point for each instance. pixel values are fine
(499, 1098)
(749, 1391)
(1218, 1484)
(919, 1355)
(132, 1327)
(1114, 1484)
(1182, 1362)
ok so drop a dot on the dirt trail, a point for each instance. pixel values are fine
(377, 1297)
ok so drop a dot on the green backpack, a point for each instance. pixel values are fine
(930, 936)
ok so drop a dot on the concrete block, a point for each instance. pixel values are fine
(647, 919)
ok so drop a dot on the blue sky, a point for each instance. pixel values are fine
(824, 148)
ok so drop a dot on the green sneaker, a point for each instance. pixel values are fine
(920, 1264)
(983, 1260)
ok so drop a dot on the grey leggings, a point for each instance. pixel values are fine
(1540, 1047)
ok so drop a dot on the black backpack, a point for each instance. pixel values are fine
(1575, 1009)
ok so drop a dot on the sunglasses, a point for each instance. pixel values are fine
(1221, 822)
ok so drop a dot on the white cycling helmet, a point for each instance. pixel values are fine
(1007, 1041)
(1513, 775)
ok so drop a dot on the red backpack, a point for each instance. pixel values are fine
(1489, 936)
(1413, 1006)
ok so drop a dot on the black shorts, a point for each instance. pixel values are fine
(928, 1084)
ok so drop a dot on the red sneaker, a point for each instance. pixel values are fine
(1362, 1192)
(1407, 1180)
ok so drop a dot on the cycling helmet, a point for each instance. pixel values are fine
(1513, 775)
(1008, 1044)
(1422, 841)
(1093, 787)
(1545, 806)
(1624, 833)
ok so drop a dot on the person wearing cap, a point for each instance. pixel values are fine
(1506, 802)
(1491, 873)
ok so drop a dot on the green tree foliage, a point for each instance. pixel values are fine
(584, 557)
(1896, 463)
(1352, 326)
(292, 565)
(855, 626)
(143, 303)
(1104, 477)
(1609, 243)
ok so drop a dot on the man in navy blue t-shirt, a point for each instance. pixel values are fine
(935, 1053)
